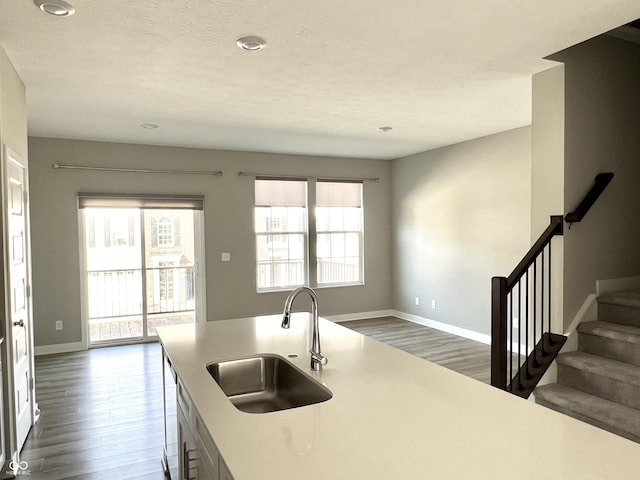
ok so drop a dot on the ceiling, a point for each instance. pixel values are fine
(439, 71)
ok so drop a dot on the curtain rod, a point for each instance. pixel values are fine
(134, 170)
(343, 179)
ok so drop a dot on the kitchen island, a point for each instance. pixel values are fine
(392, 415)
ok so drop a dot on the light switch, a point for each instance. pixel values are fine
(225, 257)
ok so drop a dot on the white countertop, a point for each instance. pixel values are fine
(392, 415)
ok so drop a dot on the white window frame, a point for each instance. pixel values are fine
(270, 235)
(359, 233)
(310, 274)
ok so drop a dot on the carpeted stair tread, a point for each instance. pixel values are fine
(627, 298)
(610, 340)
(613, 331)
(610, 416)
(604, 367)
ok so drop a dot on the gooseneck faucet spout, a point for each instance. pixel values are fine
(317, 359)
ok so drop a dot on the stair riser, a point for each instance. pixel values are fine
(633, 436)
(604, 387)
(609, 348)
(621, 314)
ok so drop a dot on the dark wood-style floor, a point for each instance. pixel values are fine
(102, 409)
(101, 415)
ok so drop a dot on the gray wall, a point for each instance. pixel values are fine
(547, 172)
(602, 119)
(228, 225)
(13, 108)
(547, 147)
(461, 214)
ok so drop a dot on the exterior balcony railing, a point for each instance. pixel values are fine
(280, 273)
(118, 293)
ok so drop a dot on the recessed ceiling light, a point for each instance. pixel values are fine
(252, 43)
(384, 129)
(149, 126)
(57, 8)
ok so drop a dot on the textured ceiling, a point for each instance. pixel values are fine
(438, 71)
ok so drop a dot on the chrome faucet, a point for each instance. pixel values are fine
(317, 359)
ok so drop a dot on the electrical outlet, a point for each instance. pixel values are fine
(417, 300)
(58, 324)
(225, 257)
(433, 304)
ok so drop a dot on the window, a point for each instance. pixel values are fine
(91, 230)
(165, 232)
(283, 222)
(339, 232)
(118, 230)
(281, 234)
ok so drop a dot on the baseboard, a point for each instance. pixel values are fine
(348, 317)
(617, 284)
(445, 327)
(59, 348)
(588, 312)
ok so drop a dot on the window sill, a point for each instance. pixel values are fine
(317, 287)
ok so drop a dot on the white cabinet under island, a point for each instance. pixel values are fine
(391, 416)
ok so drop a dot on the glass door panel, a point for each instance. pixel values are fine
(114, 274)
(169, 266)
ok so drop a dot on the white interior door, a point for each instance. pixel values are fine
(19, 340)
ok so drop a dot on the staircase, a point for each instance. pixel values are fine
(600, 383)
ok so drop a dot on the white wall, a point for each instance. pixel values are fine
(602, 105)
(228, 225)
(461, 214)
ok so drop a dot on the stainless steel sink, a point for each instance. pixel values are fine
(266, 383)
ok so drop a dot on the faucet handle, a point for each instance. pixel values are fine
(318, 358)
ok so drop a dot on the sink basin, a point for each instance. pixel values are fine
(266, 383)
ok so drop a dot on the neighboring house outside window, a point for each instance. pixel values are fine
(92, 232)
(119, 231)
(166, 280)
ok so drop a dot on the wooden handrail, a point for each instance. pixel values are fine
(500, 288)
(555, 228)
(601, 181)
(540, 353)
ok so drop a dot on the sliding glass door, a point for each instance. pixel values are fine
(140, 271)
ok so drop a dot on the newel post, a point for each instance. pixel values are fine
(499, 332)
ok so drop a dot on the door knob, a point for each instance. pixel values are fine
(19, 324)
